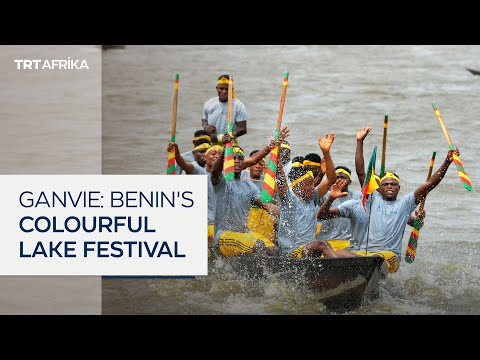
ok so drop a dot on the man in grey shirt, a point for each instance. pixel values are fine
(215, 112)
(386, 214)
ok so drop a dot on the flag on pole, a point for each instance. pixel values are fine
(369, 184)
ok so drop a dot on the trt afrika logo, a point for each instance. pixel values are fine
(56, 64)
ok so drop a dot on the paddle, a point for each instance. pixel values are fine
(413, 241)
(456, 159)
(268, 187)
(384, 147)
(228, 162)
(171, 154)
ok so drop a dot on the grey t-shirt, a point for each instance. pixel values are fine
(232, 205)
(198, 169)
(211, 200)
(338, 228)
(245, 175)
(387, 222)
(188, 157)
(297, 222)
(216, 112)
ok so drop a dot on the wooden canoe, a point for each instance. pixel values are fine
(341, 284)
(474, 72)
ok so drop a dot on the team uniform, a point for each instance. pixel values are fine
(232, 206)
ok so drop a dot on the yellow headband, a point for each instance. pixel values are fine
(224, 80)
(390, 175)
(214, 147)
(206, 137)
(345, 172)
(297, 164)
(376, 177)
(301, 178)
(238, 150)
(310, 163)
(286, 146)
(202, 146)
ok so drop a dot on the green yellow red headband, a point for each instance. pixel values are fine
(301, 178)
(238, 151)
(297, 164)
(202, 146)
(224, 80)
(206, 137)
(344, 172)
(390, 175)
(310, 163)
(214, 147)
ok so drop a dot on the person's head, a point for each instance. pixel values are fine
(297, 161)
(312, 162)
(285, 152)
(212, 153)
(238, 156)
(201, 134)
(257, 169)
(344, 173)
(390, 186)
(222, 87)
(200, 147)
(302, 182)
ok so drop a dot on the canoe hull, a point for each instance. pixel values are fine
(474, 72)
(341, 284)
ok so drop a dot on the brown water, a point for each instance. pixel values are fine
(50, 124)
(331, 89)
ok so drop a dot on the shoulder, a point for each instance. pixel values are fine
(349, 204)
(409, 198)
(211, 102)
(238, 104)
(356, 194)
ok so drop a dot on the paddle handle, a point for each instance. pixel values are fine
(384, 146)
(430, 169)
(268, 187)
(171, 154)
(174, 111)
(230, 106)
(442, 124)
(282, 105)
(229, 162)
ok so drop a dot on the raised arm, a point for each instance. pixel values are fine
(281, 181)
(217, 168)
(185, 165)
(359, 162)
(241, 129)
(435, 179)
(323, 170)
(325, 211)
(325, 144)
(418, 215)
(271, 208)
(259, 155)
